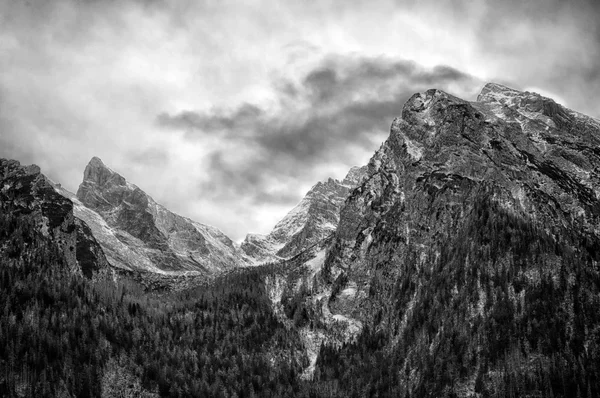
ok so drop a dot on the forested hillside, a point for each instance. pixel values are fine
(62, 334)
(506, 310)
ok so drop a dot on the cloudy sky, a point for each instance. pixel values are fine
(228, 112)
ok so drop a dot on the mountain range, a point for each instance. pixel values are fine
(136, 233)
(463, 260)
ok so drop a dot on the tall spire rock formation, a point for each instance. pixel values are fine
(312, 220)
(138, 233)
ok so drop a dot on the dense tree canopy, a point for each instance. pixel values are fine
(65, 335)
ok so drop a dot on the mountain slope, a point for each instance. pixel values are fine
(469, 255)
(138, 233)
(312, 220)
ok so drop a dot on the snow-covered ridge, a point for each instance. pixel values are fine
(315, 217)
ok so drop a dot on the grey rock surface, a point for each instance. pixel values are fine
(311, 221)
(24, 190)
(138, 233)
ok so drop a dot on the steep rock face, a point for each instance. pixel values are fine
(470, 212)
(312, 220)
(118, 253)
(538, 158)
(138, 233)
(24, 191)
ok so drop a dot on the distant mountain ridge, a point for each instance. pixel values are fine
(308, 223)
(136, 233)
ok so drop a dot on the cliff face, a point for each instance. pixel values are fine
(534, 158)
(138, 233)
(311, 221)
(471, 216)
(25, 192)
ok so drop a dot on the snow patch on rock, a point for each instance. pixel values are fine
(316, 263)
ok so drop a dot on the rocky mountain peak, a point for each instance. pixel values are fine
(98, 173)
(496, 92)
(423, 108)
(138, 233)
(95, 161)
(9, 166)
(312, 220)
(529, 104)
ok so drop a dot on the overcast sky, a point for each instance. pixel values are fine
(228, 112)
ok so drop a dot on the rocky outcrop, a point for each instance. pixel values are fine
(24, 191)
(138, 233)
(312, 220)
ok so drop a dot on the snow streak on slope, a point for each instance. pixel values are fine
(313, 219)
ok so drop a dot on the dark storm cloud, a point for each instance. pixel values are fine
(322, 83)
(229, 180)
(220, 120)
(341, 107)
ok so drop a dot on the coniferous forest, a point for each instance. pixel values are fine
(534, 337)
(65, 335)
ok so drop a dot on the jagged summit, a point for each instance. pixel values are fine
(95, 166)
(491, 93)
(494, 91)
(312, 220)
(95, 161)
(98, 173)
(10, 164)
(148, 236)
(126, 207)
(102, 188)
